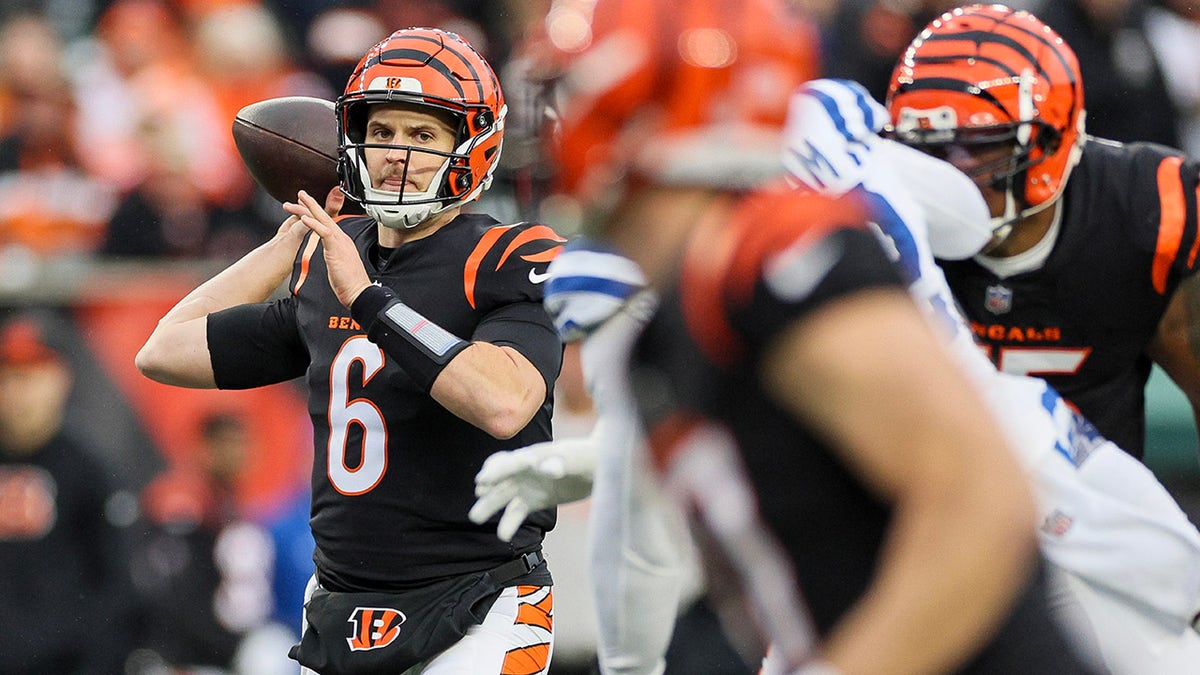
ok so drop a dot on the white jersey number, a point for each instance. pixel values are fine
(1035, 361)
(344, 412)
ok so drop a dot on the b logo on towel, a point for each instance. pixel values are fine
(374, 627)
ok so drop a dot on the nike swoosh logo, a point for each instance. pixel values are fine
(535, 278)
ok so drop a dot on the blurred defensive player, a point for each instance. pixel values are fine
(769, 333)
(1089, 276)
(1127, 558)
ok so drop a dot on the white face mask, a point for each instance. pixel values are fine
(398, 215)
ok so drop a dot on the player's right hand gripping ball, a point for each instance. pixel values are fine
(289, 144)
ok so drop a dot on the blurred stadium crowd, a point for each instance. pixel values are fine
(120, 188)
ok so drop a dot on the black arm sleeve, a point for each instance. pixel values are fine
(527, 328)
(255, 345)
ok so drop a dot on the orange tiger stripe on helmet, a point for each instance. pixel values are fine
(986, 66)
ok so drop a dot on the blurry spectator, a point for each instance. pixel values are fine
(293, 543)
(204, 571)
(167, 80)
(864, 38)
(154, 129)
(1174, 31)
(243, 51)
(336, 40)
(48, 204)
(64, 607)
(137, 59)
(241, 55)
(167, 215)
(1123, 85)
(287, 522)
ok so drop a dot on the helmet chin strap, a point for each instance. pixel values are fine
(1002, 225)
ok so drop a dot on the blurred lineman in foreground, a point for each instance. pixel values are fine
(799, 435)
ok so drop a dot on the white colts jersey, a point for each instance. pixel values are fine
(1104, 517)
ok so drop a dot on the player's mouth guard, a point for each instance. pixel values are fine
(421, 347)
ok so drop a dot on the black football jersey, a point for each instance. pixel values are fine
(1083, 320)
(393, 472)
(700, 358)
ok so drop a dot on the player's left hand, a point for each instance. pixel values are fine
(532, 478)
(347, 275)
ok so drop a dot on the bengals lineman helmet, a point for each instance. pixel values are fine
(988, 77)
(690, 93)
(437, 69)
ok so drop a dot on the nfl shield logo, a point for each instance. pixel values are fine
(1057, 523)
(998, 299)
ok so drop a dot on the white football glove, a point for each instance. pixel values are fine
(533, 478)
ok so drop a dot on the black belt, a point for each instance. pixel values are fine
(519, 567)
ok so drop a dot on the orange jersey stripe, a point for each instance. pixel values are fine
(529, 660)
(723, 267)
(545, 256)
(665, 439)
(310, 247)
(704, 273)
(471, 270)
(1170, 223)
(533, 234)
(1196, 240)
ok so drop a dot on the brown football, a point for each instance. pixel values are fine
(289, 144)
